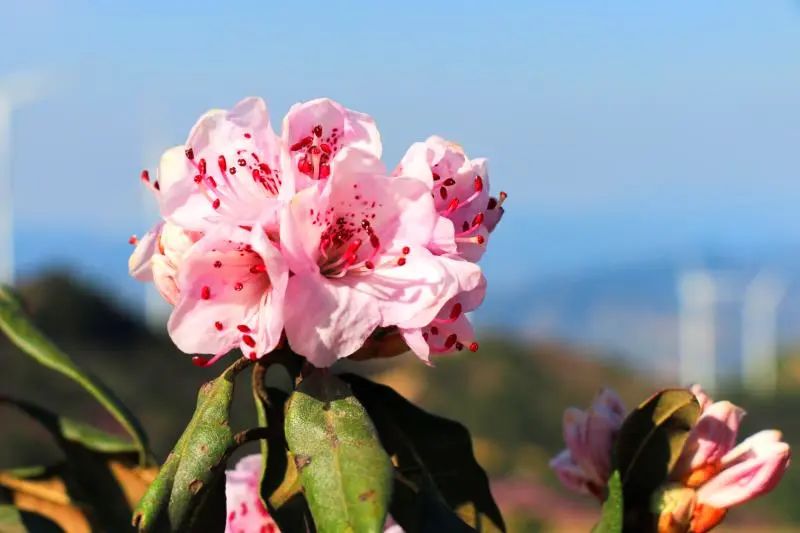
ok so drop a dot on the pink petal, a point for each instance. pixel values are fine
(712, 437)
(241, 157)
(245, 511)
(751, 469)
(327, 319)
(139, 263)
(227, 298)
(570, 474)
(702, 397)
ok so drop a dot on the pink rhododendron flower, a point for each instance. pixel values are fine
(158, 256)
(246, 512)
(460, 188)
(720, 474)
(359, 261)
(228, 172)
(318, 132)
(232, 283)
(585, 465)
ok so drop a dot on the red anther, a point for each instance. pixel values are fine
(258, 269)
(304, 166)
(434, 330)
(317, 131)
(253, 356)
(205, 292)
(145, 176)
(218, 325)
(243, 328)
(374, 241)
(238, 286)
(247, 135)
(324, 170)
(248, 340)
(492, 203)
(406, 250)
(200, 361)
(503, 197)
(456, 311)
(157, 186)
(369, 264)
(198, 178)
(453, 205)
(211, 182)
(302, 143)
(450, 341)
(478, 184)
(473, 347)
(201, 166)
(436, 176)
(265, 168)
(215, 203)
(189, 154)
(222, 163)
(132, 239)
(480, 239)
(449, 182)
(459, 346)
(478, 220)
(443, 193)
(401, 261)
(325, 148)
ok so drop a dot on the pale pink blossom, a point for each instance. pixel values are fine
(245, 510)
(460, 188)
(317, 133)
(721, 474)
(228, 172)
(158, 256)
(232, 284)
(359, 258)
(585, 465)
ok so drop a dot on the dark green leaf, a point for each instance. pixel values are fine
(611, 519)
(194, 468)
(31, 341)
(434, 460)
(651, 440)
(346, 475)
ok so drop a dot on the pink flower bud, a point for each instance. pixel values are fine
(586, 463)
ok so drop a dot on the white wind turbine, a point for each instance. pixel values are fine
(16, 89)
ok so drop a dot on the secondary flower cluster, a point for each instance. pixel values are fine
(712, 474)
(306, 234)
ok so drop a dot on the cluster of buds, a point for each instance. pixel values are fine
(711, 475)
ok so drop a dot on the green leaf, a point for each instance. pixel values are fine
(346, 475)
(11, 520)
(88, 471)
(194, 468)
(612, 516)
(31, 341)
(651, 440)
(434, 461)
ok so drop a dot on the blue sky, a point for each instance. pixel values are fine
(622, 130)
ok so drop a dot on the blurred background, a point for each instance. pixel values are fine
(651, 237)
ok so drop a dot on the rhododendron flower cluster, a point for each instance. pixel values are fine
(306, 236)
(711, 475)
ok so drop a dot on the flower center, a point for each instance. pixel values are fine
(316, 151)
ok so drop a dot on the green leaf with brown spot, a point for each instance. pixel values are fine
(651, 440)
(194, 468)
(345, 473)
(438, 479)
